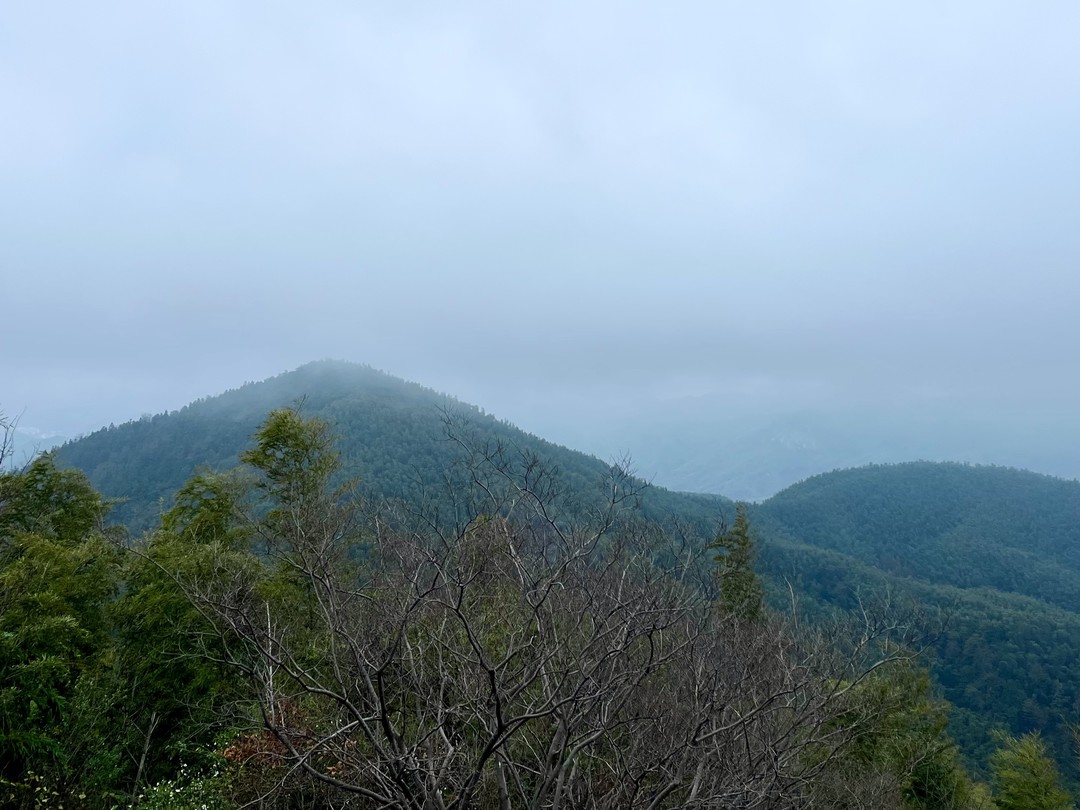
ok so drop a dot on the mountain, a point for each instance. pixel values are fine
(29, 441)
(996, 551)
(391, 435)
(949, 524)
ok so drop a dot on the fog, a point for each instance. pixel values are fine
(607, 222)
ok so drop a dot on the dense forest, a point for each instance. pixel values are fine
(996, 550)
(967, 570)
(391, 436)
(279, 641)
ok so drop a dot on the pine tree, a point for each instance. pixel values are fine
(740, 589)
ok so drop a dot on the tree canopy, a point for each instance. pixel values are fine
(280, 639)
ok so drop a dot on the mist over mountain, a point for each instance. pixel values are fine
(29, 441)
(720, 445)
(392, 434)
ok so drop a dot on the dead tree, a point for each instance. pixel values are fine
(527, 653)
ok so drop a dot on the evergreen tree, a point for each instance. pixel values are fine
(1025, 777)
(740, 589)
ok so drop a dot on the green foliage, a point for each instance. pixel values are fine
(996, 550)
(245, 540)
(48, 501)
(97, 690)
(58, 576)
(999, 550)
(295, 455)
(190, 789)
(1025, 777)
(180, 692)
(205, 510)
(910, 739)
(740, 589)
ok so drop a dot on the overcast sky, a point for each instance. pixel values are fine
(544, 208)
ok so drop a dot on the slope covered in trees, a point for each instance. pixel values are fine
(392, 435)
(993, 550)
(951, 524)
(276, 641)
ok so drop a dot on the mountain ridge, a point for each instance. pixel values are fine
(389, 428)
(995, 546)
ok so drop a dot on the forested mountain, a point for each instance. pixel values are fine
(277, 641)
(392, 435)
(950, 524)
(998, 550)
(1003, 660)
(994, 550)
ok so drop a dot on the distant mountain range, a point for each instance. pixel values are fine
(997, 550)
(29, 441)
(705, 444)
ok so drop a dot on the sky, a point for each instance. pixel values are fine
(559, 211)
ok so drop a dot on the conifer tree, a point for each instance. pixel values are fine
(740, 589)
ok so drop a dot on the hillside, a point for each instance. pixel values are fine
(950, 524)
(996, 550)
(1003, 660)
(391, 435)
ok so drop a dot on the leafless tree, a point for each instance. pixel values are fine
(7, 439)
(524, 652)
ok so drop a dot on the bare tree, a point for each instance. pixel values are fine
(7, 439)
(524, 651)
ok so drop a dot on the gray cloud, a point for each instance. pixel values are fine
(555, 209)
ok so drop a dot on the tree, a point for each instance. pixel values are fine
(740, 589)
(7, 440)
(1025, 777)
(178, 694)
(58, 575)
(516, 650)
(905, 751)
